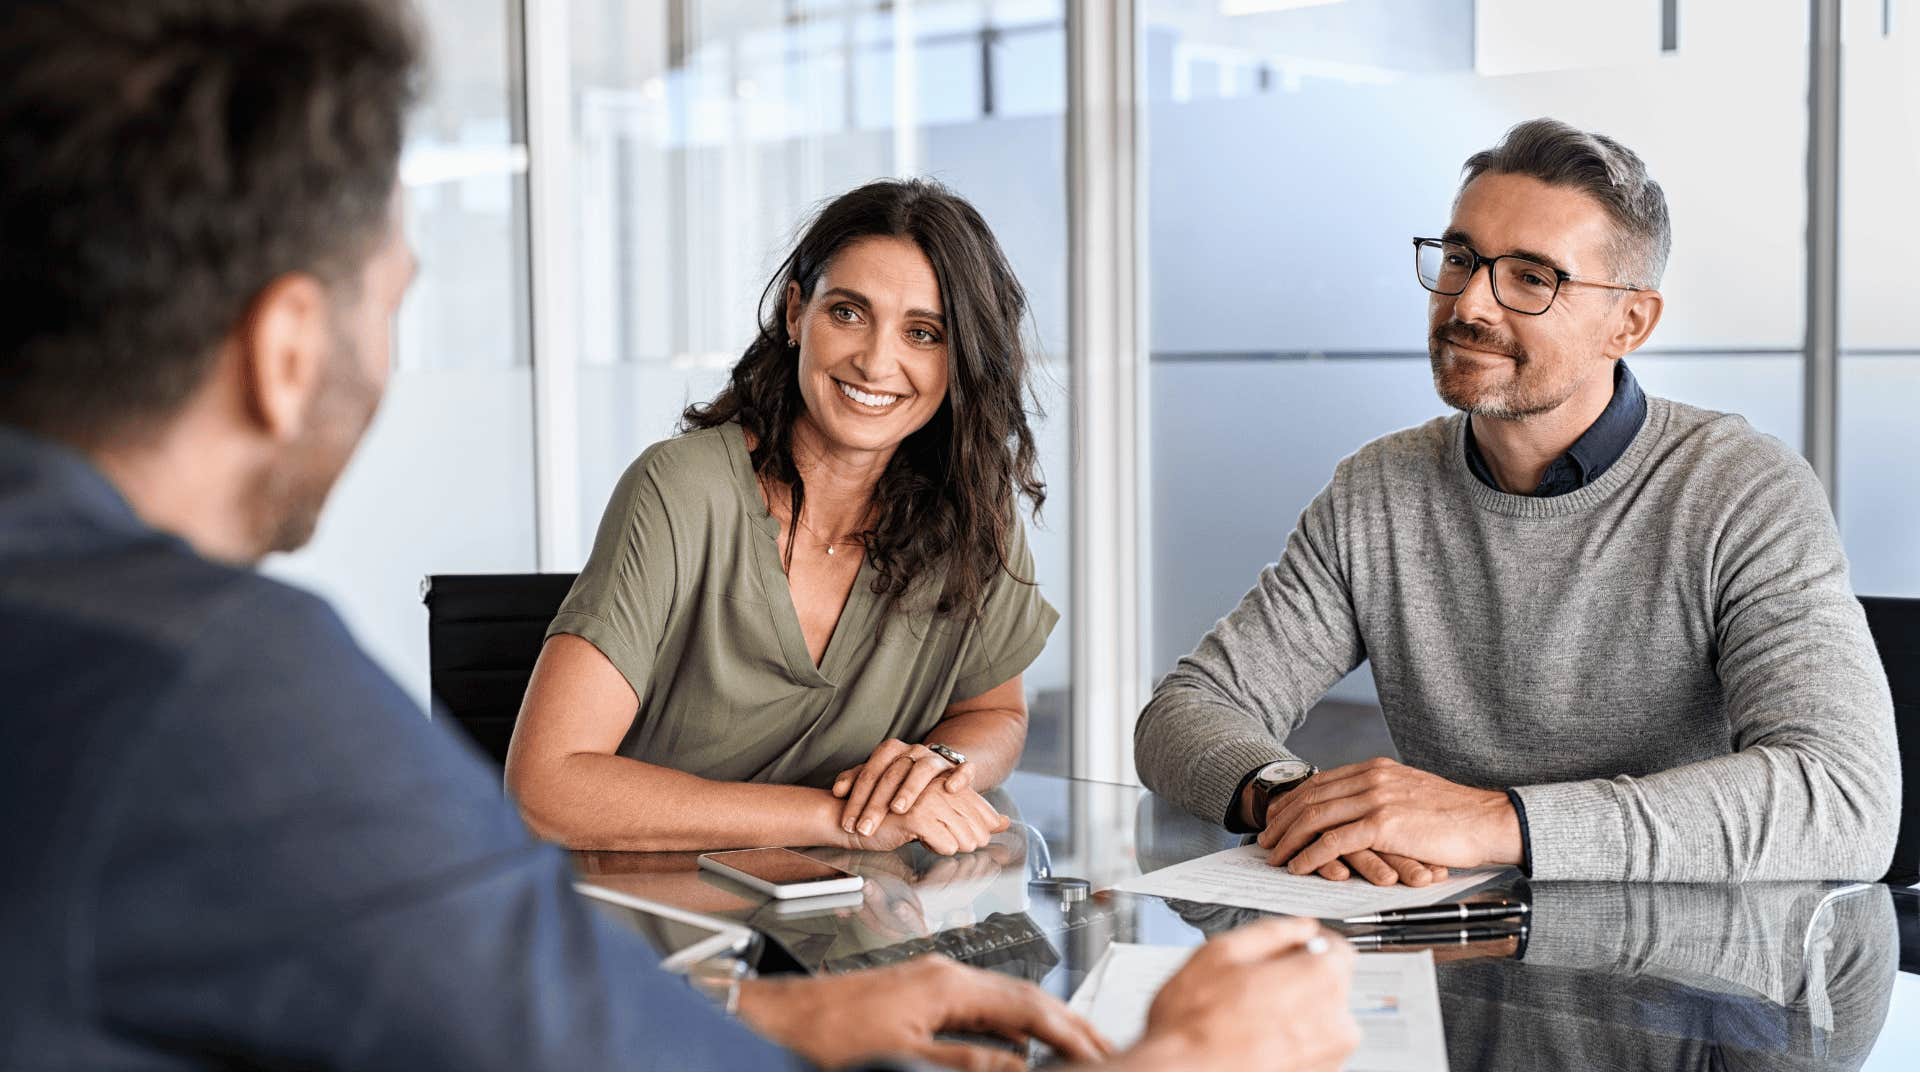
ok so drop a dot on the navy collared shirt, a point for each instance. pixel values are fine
(230, 839)
(1594, 452)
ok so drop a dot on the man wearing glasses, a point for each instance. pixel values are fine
(1613, 634)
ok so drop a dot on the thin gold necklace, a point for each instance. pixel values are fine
(830, 544)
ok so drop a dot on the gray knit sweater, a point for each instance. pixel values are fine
(1668, 664)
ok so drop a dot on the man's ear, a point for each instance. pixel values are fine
(1635, 321)
(283, 346)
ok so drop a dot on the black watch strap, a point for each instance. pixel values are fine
(1234, 822)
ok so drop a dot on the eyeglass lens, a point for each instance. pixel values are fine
(1521, 284)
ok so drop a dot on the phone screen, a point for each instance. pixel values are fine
(780, 866)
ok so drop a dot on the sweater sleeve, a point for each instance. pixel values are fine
(1811, 787)
(1229, 705)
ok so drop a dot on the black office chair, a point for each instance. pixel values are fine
(484, 632)
(1895, 623)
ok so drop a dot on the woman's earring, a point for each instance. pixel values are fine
(792, 344)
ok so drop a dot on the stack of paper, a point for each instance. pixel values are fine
(1394, 998)
(1241, 877)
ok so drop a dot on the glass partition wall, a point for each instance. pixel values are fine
(1879, 347)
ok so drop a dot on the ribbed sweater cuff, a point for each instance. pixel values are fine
(1214, 778)
(1576, 831)
(1526, 837)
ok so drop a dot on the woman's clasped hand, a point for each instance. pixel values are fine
(905, 792)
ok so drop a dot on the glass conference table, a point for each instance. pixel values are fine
(1612, 976)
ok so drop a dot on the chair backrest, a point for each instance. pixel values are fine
(484, 632)
(1906, 916)
(1895, 622)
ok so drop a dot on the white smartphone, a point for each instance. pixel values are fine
(781, 873)
(813, 905)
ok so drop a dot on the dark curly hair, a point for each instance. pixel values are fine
(161, 163)
(946, 499)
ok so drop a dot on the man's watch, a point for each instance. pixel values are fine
(1277, 777)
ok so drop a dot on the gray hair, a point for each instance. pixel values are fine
(1561, 154)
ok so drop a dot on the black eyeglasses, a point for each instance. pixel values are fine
(1519, 284)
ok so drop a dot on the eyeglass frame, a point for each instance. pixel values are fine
(1561, 277)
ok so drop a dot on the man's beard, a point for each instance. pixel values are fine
(288, 497)
(1519, 395)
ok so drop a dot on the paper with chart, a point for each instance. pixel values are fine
(1394, 999)
(1241, 877)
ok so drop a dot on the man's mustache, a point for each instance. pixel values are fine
(1454, 332)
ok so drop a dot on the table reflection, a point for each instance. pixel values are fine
(1610, 975)
(1670, 977)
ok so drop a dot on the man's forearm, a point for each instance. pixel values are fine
(1767, 813)
(1229, 705)
(1194, 749)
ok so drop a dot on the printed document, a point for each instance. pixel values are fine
(1240, 877)
(1394, 999)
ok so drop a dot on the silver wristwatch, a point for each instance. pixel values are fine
(949, 753)
(1280, 776)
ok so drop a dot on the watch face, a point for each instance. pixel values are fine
(1286, 772)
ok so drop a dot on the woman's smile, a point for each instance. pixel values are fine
(868, 401)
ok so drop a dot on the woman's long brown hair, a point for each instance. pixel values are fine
(946, 499)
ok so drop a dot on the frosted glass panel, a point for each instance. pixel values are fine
(1879, 487)
(1879, 483)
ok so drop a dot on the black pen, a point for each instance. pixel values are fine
(1459, 936)
(1492, 909)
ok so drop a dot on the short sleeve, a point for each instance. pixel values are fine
(1013, 626)
(624, 595)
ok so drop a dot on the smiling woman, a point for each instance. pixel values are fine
(805, 619)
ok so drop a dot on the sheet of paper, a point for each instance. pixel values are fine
(1397, 1002)
(1082, 998)
(1394, 998)
(1241, 877)
(1130, 976)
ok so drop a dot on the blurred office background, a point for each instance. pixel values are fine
(598, 190)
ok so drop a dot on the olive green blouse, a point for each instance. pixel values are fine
(685, 593)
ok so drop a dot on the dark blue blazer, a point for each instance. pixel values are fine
(227, 838)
